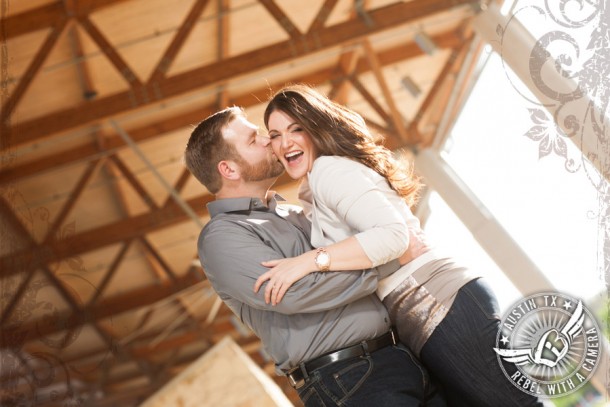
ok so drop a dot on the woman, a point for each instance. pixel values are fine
(357, 198)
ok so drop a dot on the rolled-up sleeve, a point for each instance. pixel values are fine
(348, 188)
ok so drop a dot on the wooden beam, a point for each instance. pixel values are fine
(449, 39)
(185, 175)
(156, 256)
(106, 235)
(347, 66)
(30, 73)
(110, 273)
(281, 17)
(48, 16)
(39, 18)
(396, 117)
(322, 16)
(88, 174)
(384, 18)
(372, 101)
(111, 53)
(106, 308)
(84, 75)
(461, 93)
(452, 64)
(133, 181)
(178, 41)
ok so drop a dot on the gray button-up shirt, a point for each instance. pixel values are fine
(320, 313)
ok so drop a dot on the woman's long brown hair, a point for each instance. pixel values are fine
(337, 130)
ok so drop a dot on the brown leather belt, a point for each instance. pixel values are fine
(298, 375)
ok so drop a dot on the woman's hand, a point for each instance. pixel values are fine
(418, 245)
(283, 274)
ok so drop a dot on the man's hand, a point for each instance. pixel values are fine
(417, 246)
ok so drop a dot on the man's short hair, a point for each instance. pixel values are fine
(207, 147)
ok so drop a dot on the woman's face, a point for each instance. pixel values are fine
(291, 144)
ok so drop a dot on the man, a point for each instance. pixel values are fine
(330, 334)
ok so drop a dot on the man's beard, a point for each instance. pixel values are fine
(263, 170)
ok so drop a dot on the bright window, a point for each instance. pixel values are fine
(549, 211)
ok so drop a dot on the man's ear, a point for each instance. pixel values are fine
(228, 169)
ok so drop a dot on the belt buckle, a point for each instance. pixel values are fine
(296, 384)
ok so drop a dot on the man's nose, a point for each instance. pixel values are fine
(263, 140)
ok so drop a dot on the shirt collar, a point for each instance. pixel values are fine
(227, 205)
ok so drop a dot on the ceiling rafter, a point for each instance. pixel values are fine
(112, 175)
(123, 351)
(158, 259)
(49, 15)
(111, 53)
(101, 287)
(451, 65)
(222, 47)
(66, 293)
(133, 181)
(372, 101)
(12, 223)
(178, 41)
(461, 91)
(79, 188)
(8, 309)
(142, 351)
(34, 67)
(185, 175)
(161, 105)
(395, 116)
(322, 16)
(20, 231)
(145, 347)
(449, 39)
(346, 67)
(106, 235)
(384, 18)
(84, 75)
(108, 307)
(281, 17)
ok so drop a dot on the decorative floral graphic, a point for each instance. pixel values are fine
(30, 376)
(569, 66)
(547, 133)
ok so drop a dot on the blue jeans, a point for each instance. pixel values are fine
(460, 353)
(387, 377)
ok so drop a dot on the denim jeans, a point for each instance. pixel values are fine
(387, 377)
(460, 353)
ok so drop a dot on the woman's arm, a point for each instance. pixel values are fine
(358, 202)
(345, 255)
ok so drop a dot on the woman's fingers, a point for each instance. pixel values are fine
(269, 290)
(281, 293)
(267, 275)
(259, 281)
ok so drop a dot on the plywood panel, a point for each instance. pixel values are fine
(223, 377)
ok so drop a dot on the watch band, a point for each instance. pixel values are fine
(322, 259)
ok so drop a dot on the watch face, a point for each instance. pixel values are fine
(323, 259)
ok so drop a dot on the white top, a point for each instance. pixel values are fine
(342, 198)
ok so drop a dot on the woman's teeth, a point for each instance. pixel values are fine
(293, 155)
